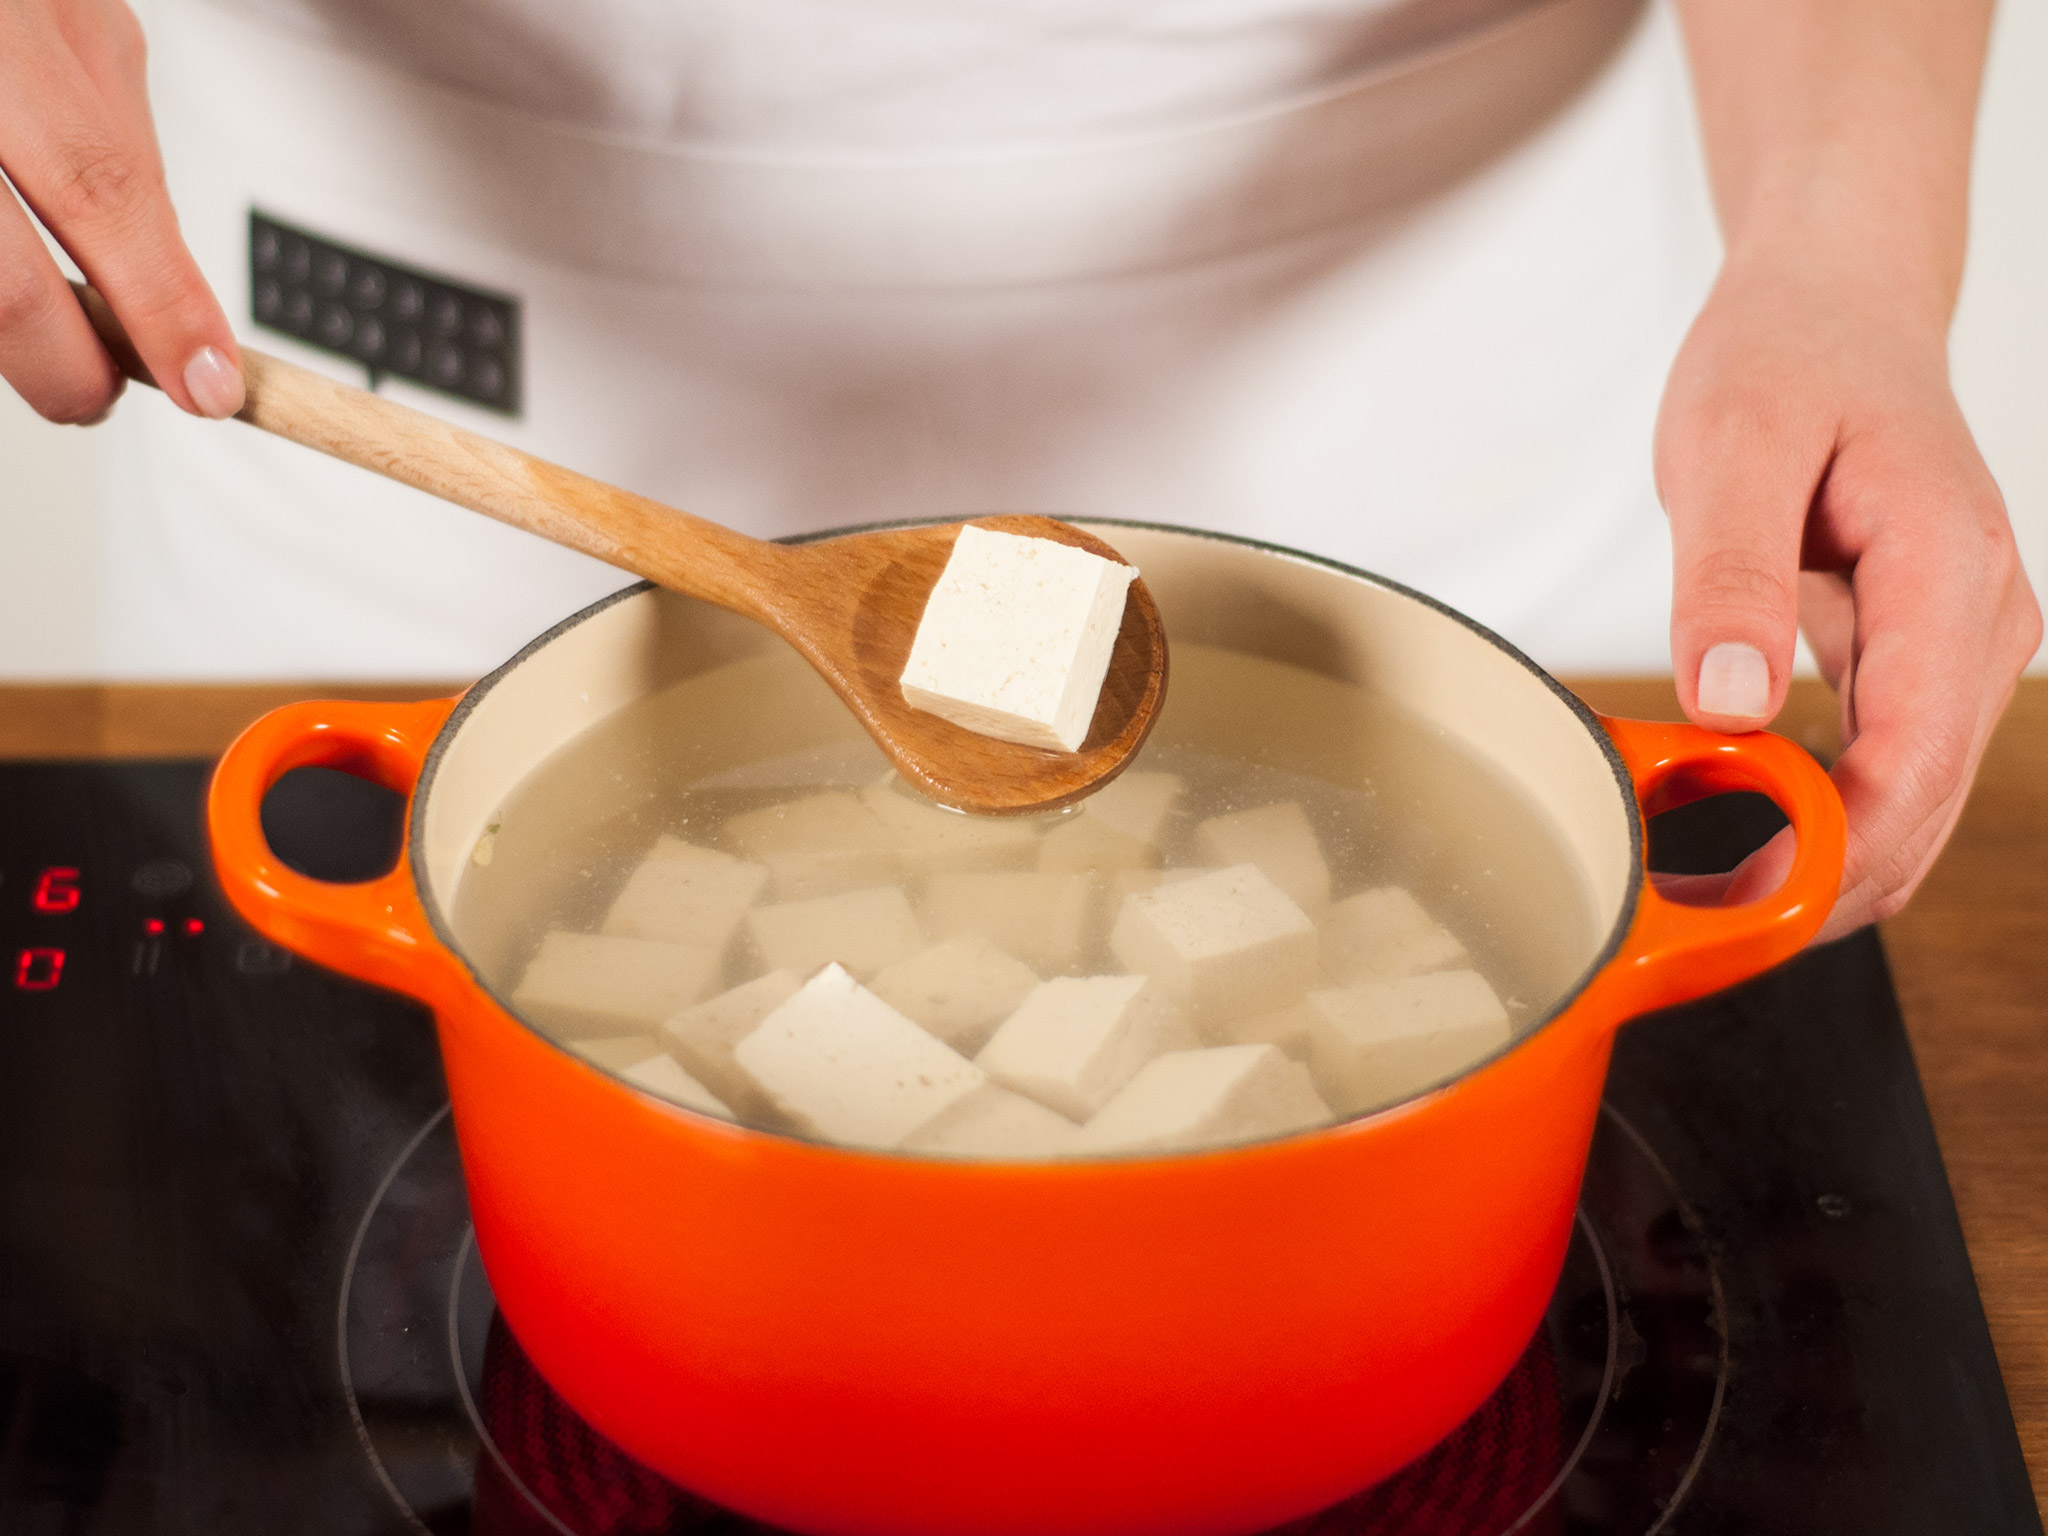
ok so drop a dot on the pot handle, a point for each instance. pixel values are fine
(1674, 953)
(375, 930)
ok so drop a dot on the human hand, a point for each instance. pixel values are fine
(1818, 474)
(77, 143)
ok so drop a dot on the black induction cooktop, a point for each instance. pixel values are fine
(239, 1291)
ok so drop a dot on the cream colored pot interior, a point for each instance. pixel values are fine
(1333, 624)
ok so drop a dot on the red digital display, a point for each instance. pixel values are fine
(39, 969)
(57, 890)
(153, 926)
(193, 925)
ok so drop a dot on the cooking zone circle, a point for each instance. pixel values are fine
(1600, 1428)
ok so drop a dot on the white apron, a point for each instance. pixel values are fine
(1415, 316)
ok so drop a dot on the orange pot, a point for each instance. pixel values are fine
(847, 1341)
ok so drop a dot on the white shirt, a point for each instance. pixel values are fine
(1415, 316)
(829, 76)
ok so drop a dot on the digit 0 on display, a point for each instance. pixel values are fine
(38, 969)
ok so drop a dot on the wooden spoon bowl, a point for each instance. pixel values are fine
(948, 762)
(850, 604)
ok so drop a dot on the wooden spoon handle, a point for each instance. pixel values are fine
(678, 550)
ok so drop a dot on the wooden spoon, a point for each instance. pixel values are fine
(849, 604)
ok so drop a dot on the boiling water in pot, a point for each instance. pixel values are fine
(1301, 903)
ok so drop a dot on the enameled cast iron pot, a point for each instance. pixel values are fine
(848, 1341)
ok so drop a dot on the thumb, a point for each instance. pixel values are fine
(1737, 518)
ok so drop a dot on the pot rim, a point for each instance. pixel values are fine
(1609, 948)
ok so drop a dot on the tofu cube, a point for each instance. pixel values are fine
(1016, 638)
(615, 1053)
(1118, 827)
(842, 1065)
(861, 930)
(701, 1038)
(959, 990)
(817, 846)
(993, 1122)
(1286, 1027)
(1376, 1044)
(661, 1076)
(931, 840)
(1128, 882)
(1137, 803)
(1206, 1098)
(1280, 841)
(1081, 845)
(1041, 919)
(686, 895)
(1382, 934)
(1227, 944)
(1076, 1040)
(588, 985)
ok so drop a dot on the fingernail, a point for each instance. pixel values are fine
(214, 383)
(1735, 680)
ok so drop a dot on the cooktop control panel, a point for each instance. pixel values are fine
(113, 894)
(80, 917)
(62, 927)
(392, 318)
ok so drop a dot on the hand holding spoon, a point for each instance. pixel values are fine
(850, 605)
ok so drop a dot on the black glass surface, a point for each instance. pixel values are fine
(238, 1291)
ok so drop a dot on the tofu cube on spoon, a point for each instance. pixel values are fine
(1016, 638)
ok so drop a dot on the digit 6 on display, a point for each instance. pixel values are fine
(56, 889)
